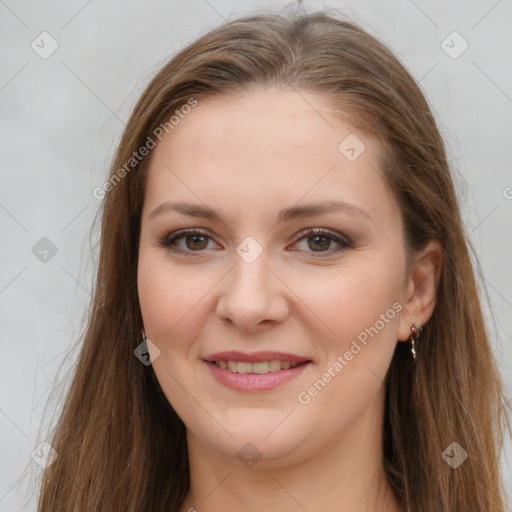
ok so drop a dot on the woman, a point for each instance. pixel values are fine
(286, 315)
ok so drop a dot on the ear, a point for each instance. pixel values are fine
(421, 289)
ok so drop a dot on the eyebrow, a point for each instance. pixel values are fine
(287, 214)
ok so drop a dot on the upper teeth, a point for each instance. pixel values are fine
(259, 368)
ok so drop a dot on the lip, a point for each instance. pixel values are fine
(252, 381)
(255, 357)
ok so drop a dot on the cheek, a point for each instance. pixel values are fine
(359, 313)
(170, 297)
(351, 298)
(170, 305)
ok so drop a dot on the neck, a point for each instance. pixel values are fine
(346, 474)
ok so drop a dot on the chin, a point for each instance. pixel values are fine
(257, 438)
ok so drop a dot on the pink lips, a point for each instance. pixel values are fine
(252, 381)
(256, 357)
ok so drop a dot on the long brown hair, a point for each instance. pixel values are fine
(121, 446)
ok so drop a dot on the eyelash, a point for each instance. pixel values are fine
(171, 238)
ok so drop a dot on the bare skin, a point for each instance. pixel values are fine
(247, 158)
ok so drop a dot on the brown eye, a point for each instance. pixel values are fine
(320, 240)
(195, 241)
(317, 240)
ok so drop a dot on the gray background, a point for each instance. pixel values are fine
(61, 118)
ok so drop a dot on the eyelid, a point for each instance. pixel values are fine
(167, 240)
(323, 231)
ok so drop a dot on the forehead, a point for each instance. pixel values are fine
(270, 147)
(270, 124)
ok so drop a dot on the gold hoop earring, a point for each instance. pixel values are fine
(143, 334)
(415, 334)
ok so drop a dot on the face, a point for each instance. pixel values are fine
(257, 270)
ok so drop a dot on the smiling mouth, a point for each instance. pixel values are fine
(259, 368)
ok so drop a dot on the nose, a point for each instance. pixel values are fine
(252, 295)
